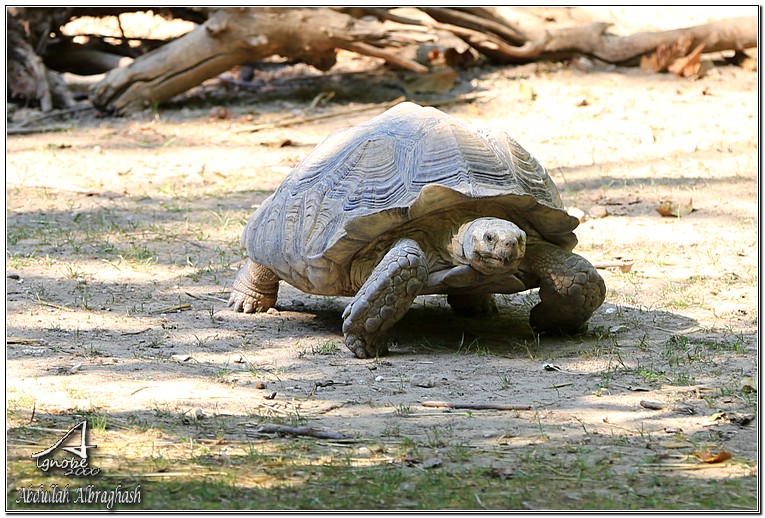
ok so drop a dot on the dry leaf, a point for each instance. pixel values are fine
(713, 458)
(690, 65)
(665, 55)
(748, 385)
(675, 207)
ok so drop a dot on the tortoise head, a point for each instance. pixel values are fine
(489, 245)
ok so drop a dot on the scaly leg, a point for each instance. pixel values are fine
(569, 286)
(384, 298)
(255, 288)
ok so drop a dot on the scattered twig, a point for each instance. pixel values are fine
(55, 113)
(205, 296)
(655, 405)
(293, 121)
(39, 129)
(131, 333)
(560, 385)
(176, 308)
(51, 305)
(300, 431)
(15, 340)
(474, 406)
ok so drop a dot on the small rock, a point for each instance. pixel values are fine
(199, 414)
(618, 329)
(14, 276)
(379, 378)
(260, 385)
(598, 211)
(422, 382)
(238, 358)
(272, 311)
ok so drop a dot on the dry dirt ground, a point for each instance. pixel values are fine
(123, 241)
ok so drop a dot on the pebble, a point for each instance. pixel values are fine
(598, 211)
(422, 382)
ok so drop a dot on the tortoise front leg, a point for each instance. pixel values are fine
(569, 286)
(384, 298)
(255, 288)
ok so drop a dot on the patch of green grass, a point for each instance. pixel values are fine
(327, 348)
(402, 410)
(474, 347)
(178, 466)
(267, 482)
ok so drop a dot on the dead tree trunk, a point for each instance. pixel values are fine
(504, 43)
(234, 36)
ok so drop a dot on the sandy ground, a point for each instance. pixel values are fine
(123, 241)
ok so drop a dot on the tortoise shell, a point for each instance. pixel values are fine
(406, 168)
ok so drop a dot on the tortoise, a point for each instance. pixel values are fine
(414, 202)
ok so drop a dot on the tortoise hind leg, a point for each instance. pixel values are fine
(570, 287)
(384, 298)
(255, 288)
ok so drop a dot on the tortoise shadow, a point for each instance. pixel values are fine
(430, 326)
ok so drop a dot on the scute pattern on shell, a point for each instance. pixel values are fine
(370, 179)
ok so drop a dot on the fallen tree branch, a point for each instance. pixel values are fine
(474, 406)
(233, 36)
(590, 39)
